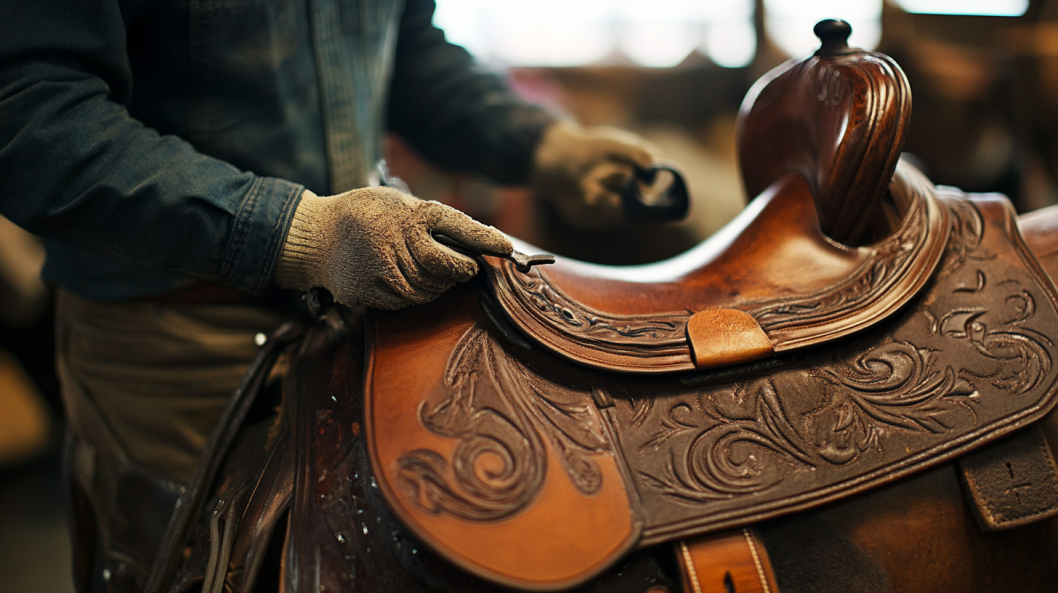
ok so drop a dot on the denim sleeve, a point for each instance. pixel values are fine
(452, 110)
(75, 167)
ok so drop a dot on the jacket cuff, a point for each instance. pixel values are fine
(261, 224)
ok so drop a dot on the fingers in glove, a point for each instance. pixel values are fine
(433, 262)
(422, 278)
(623, 147)
(403, 283)
(383, 296)
(600, 207)
(453, 223)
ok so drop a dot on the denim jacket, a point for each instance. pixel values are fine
(154, 141)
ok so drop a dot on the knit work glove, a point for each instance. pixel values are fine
(373, 247)
(583, 170)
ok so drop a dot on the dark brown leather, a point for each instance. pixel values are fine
(838, 119)
(1012, 483)
(175, 568)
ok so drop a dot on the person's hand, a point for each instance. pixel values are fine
(583, 170)
(374, 247)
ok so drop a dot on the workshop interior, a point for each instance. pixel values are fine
(984, 80)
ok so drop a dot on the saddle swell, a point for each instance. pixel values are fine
(768, 282)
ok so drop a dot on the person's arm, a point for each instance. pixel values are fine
(465, 118)
(453, 111)
(74, 166)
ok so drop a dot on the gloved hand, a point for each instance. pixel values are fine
(583, 170)
(373, 247)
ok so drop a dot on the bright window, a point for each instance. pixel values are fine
(789, 22)
(969, 7)
(657, 33)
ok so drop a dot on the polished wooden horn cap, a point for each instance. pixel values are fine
(839, 119)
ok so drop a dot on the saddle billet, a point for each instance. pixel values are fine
(533, 427)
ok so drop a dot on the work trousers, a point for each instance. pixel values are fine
(144, 383)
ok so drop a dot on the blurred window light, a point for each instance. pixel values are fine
(789, 22)
(731, 45)
(658, 44)
(966, 7)
(658, 33)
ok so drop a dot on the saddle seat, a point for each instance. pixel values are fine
(770, 281)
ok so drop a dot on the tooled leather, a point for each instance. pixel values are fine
(889, 274)
(966, 361)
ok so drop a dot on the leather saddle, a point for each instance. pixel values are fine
(855, 324)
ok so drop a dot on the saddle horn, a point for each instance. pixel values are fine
(839, 119)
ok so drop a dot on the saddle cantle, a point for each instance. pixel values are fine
(535, 426)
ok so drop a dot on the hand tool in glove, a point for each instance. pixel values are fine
(373, 247)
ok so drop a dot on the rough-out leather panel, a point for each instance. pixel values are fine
(967, 361)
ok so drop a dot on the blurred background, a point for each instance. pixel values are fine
(984, 78)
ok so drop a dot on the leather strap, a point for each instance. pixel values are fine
(1013, 482)
(728, 562)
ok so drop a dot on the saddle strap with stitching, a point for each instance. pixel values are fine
(729, 562)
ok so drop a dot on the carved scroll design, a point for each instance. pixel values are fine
(968, 227)
(724, 460)
(891, 260)
(555, 309)
(893, 387)
(999, 334)
(501, 413)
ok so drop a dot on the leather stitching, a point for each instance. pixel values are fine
(689, 563)
(756, 561)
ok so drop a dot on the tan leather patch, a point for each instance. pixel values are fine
(726, 561)
(724, 337)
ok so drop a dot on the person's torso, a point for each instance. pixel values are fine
(283, 88)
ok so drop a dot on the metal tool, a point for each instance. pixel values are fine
(522, 261)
